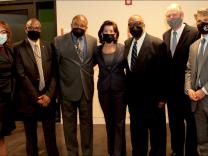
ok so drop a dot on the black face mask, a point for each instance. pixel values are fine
(108, 38)
(136, 31)
(33, 35)
(203, 27)
(78, 32)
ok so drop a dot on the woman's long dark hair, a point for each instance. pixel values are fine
(108, 23)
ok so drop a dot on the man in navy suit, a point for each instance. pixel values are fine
(146, 75)
(179, 106)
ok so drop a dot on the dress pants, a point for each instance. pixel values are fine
(179, 110)
(114, 110)
(201, 116)
(48, 124)
(69, 112)
(147, 120)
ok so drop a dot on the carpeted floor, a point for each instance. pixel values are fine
(16, 142)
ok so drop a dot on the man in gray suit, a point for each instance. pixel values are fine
(196, 80)
(75, 75)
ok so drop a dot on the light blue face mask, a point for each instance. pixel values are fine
(3, 38)
(175, 22)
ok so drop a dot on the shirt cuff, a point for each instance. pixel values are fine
(204, 90)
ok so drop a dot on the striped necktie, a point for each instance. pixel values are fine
(134, 55)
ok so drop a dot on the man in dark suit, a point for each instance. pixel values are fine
(146, 81)
(179, 107)
(74, 55)
(36, 87)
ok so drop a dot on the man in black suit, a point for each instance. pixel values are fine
(179, 106)
(36, 87)
(147, 59)
(74, 55)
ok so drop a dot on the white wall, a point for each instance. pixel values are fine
(99, 11)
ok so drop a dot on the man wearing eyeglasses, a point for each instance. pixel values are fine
(36, 88)
(74, 52)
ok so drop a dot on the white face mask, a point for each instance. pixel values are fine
(3, 38)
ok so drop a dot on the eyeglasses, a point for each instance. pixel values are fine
(33, 28)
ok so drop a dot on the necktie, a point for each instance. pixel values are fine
(199, 59)
(174, 43)
(79, 50)
(134, 55)
(38, 59)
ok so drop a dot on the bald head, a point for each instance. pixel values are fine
(33, 29)
(79, 21)
(136, 19)
(33, 23)
(136, 26)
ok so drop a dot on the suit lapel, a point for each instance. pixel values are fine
(182, 38)
(29, 50)
(6, 54)
(195, 49)
(127, 47)
(44, 55)
(144, 48)
(89, 48)
(168, 39)
(203, 60)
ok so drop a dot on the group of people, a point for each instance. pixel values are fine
(144, 73)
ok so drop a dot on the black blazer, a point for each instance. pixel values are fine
(113, 79)
(148, 81)
(27, 74)
(6, 70)
(180, 58)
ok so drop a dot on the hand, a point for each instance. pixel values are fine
(161, 104)
(200, 94)
(192, 95)
(44, 100)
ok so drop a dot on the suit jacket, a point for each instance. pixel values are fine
(179, 59)
(27, 88)
(75, 77)
(147, 82)
(192, 76)
(114, 78)
(6, 68)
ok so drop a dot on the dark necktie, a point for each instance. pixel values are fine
(174, 43)
(79, 50)
(134, 55)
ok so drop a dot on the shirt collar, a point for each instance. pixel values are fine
(75, 38)
(179, 30)
(141, 38)
(205, 37)
(33, 43)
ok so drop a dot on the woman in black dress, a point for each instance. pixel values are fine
(111, 86)
(6, 84)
